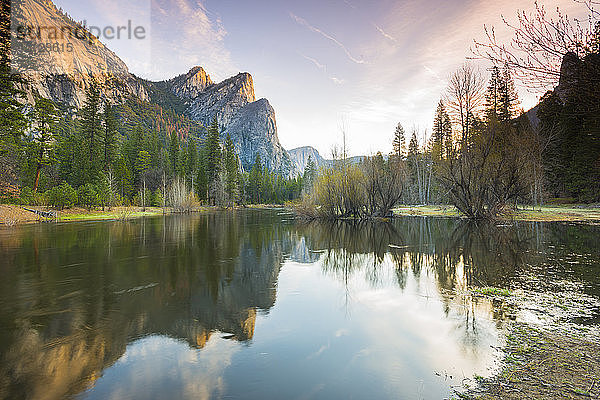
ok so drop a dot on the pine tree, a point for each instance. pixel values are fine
(12, 121)
(442, 130)
(124, 177)
(255, 181)
(46, 119)
(109, 137)
(231, 171)
(413, 146)
(399, 142)
(91, 130)
(142, 165)
(310, 173)
(173, 153)
(191, 157)
(508, 99)
(492, 96)
(213, 160)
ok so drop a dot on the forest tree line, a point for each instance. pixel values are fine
(103, 155)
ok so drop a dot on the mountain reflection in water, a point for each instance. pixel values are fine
(254, 305)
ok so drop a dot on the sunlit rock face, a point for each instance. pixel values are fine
(62, 75)
(190, 85)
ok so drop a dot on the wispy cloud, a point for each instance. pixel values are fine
(305, 23)
(384, 33)
(178, 27)
(315, 62)
(323, 68)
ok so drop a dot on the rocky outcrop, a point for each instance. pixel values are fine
(223, 100)
(579, 78)
(250, 123)
(253, 130)
(299, 159)
(570, 73)
(190, 85)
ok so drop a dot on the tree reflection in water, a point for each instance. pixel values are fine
(73, 296)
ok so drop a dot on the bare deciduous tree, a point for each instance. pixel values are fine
(465, 97)
(540, 42)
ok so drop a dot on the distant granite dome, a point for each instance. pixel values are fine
(299, 158)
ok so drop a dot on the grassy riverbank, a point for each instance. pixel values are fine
(540, 364)
(573, 213)
(14, 215)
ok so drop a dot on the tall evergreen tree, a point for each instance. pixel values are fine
(46, 118)
(413, 146)
(213, 160)
(492, 95)
(508, 99)
(255, 180)
(91, 129)
(191, 159)
(12, 120)
(399, 143)
(109, 137)
(231, 171)
(442, 130)
(173, 153)
(310, 173)
(124, 177)
(142, 165)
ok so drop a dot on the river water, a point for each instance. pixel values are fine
(254, 305)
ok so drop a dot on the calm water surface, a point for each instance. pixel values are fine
(252, 305)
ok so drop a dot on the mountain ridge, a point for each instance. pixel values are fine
(64, 77)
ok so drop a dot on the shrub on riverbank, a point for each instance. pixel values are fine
(345, 190)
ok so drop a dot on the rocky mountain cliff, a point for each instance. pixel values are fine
(64, 73)
(573, 71)
(64, 76)
(299, 159)
(250, 123)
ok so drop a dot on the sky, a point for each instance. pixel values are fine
(360, 66)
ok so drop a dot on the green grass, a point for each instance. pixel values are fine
(492, 291)
(106, 215)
